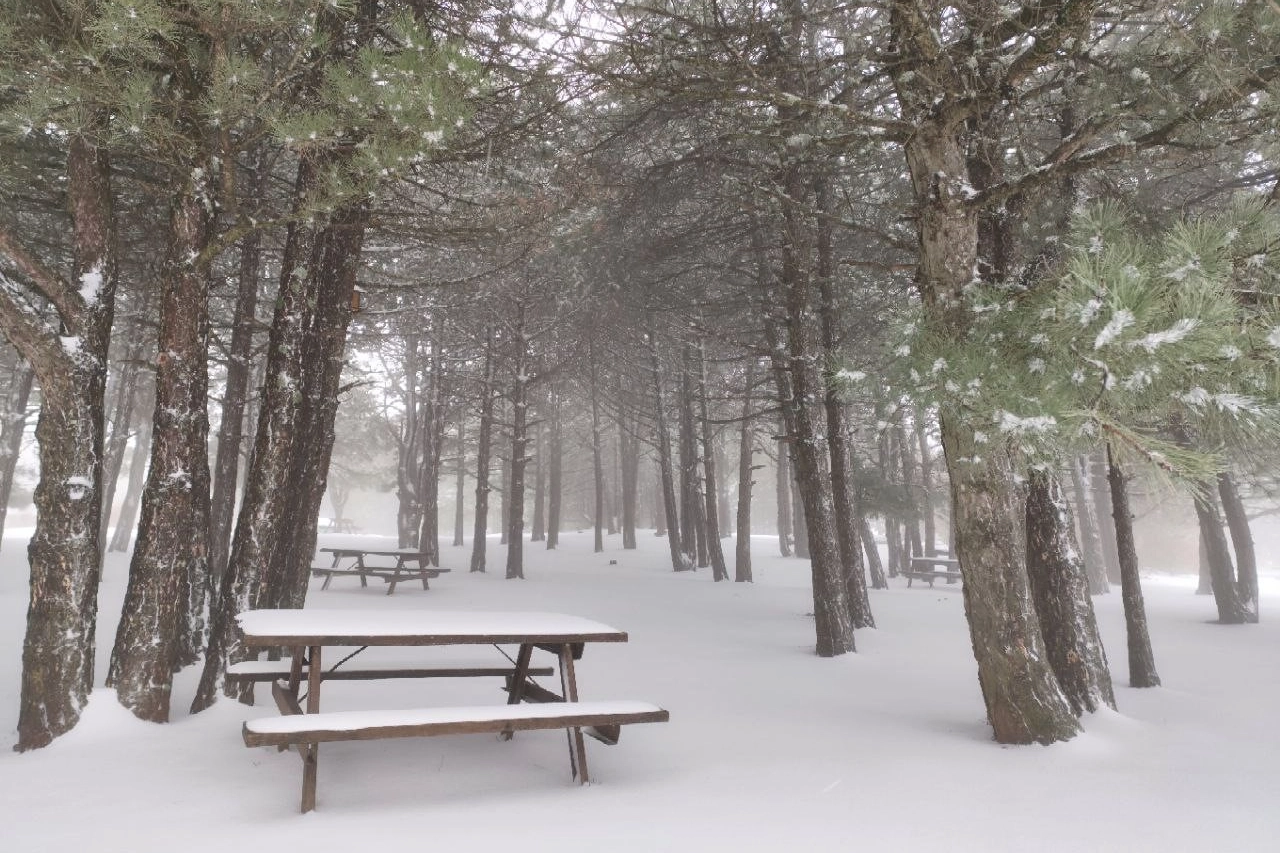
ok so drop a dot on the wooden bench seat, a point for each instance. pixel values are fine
(426, 722)
(270, 670)
(387, 574)
(305, 732)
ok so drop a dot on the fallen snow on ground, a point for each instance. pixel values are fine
(769, 748)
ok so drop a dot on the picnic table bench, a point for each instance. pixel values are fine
(408, 565)
(931, 568)
(306, 632)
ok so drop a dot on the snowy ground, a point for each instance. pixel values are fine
(768, 749)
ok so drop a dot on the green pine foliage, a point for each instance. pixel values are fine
(1134, 339)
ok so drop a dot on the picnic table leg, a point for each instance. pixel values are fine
(360, 562)
(311, 752)
(518, 677)
(569, 689)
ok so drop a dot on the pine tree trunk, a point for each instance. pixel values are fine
(1061, 592)
(875, 566)
(428, 538)
(662, 438)
(715, 554)
(1242, 541)
(460, 484)
(1231, 610)
(800, 522)
(1142, 662)
(122, 538)
(484, 444)
(555, 474)
(1099, 477)
(58, 650)
(123, 398)
(597, 462)
(519, 456)
(161, 624)
(408, 508)
(1087, 516)
(926, 487)
(226, 468)
(782, 496)
(538, 523)
(21, 378)
(275, 535)
(629, 451)
(746, 481)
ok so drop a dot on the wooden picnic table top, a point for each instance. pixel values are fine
(376, 552)
(320, 627)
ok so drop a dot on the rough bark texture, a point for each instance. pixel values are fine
(1142, 662)
(168, 572)
(1061, 592)
(746, 482)
(58, 650)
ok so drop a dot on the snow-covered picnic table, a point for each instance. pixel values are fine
(306, 632)
(407, 565)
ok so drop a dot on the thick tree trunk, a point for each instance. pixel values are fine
(58, 650)
(1142, 662)
(161, 624)
(1061, 592)
(484, 446)
(1090, 536)
(1242, 541)
(21, 378)
(226, 467)
(1024, 701)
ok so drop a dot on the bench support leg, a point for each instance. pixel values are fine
(518, 680)
(569, 688)
(311, 753)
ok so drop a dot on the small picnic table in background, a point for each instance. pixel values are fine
(408, 565)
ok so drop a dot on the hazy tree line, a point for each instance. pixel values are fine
(630, 259)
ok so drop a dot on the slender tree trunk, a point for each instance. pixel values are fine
(597, 463)
(926, 485)
(782, 494)
(1099, 477)
(122, 538)
(428, 538)
(1061, 592)
(1087, 515)
(746, 480)
(1242, 541)
(911, 520)
(226, 468)
(1142, 662)
(662, 439)
(555, 473)
(460, 483)
(875, 566)
(408, 508)
(519, 455)
(799, 517)
(14, 413)
(123, 402)
(484, 443)
(629, 465)
(539, 521)
(1231, 609)
(715, 554)
(692, 535)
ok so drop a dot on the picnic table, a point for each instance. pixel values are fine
(405, 565)
(307, 633)
(931, 568)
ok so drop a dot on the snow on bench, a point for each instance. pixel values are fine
(270, 670)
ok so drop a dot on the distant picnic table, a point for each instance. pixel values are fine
(392, 567)
(931, 568)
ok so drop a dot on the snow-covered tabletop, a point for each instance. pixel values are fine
(418, 628)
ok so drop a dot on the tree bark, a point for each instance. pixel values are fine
(460, 483)
(1061, 593)
(1090, 536)
(1242, 541)
(58, 650)
(161, 623)
(715, 554)
(122, 538)
(1231, 609)
(1142, 662)
(484, 444)
(519, 452)
(746, 480)
(555, 474)
(662, 438)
